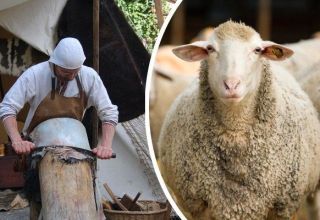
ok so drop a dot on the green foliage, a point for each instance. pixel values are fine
(142, 18)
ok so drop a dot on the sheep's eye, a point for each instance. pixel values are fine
(258, 50)
(210, 48)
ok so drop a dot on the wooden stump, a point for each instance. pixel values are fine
(67, 190)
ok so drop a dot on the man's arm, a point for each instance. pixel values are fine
(107, 112)
(21, 92)
(99, 98)
(20, 146)
(104, 148)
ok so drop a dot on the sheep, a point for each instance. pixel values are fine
(204, 34)
(171, 75)
(310, 83)
(243, 142)
(316, 35)
(167, 62)
(165, 87)
(306, 54)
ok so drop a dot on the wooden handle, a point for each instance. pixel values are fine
(115, 200)
(84, 151)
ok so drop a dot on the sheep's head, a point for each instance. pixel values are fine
(235, 54)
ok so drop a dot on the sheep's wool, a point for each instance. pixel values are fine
(231, 30)
(222, 164)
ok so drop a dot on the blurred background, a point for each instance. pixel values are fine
(283, 21)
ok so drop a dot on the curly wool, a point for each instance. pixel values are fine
(233, 30)
(259, 162)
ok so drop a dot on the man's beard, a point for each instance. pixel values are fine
(66, 78)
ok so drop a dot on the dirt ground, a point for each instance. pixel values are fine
(21, 214)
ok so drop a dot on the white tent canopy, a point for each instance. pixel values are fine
(5, 4)
(34, 21)
(125, 174)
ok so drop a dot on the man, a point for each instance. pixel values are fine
(59, 87)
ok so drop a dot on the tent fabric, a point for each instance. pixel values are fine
(124, 174)
(136, 130)
(5, 4)
(35, 22)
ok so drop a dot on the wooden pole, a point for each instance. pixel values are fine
(96, 21)
(178, 26)
(158, 7)
(264, 19)
(67, 190)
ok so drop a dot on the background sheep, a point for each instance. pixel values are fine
(244, 142)
(316, 35)
(311, 84)
(165, 87)
(306, 54)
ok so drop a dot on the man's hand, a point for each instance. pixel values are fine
(20, 146)
(104, 149)
(103, 152)
(23, 147)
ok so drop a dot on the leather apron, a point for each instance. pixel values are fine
(55, 105)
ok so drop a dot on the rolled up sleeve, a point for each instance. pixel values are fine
(99, 98)
(17, 96)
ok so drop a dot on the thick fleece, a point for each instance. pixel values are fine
(311, 84)
(258, 160)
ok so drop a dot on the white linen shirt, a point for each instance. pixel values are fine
(35, 84)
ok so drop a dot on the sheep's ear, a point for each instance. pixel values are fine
(196, 51)
(275, 51)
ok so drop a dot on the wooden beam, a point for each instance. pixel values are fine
(264, 19)
(178, 26)
(159, 14)
(96, 30)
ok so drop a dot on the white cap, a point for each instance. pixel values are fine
(68, 54)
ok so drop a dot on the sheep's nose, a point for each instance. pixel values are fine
(231, 84)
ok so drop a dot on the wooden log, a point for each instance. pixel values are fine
(67, 190)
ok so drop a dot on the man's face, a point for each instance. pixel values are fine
(65, 74)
